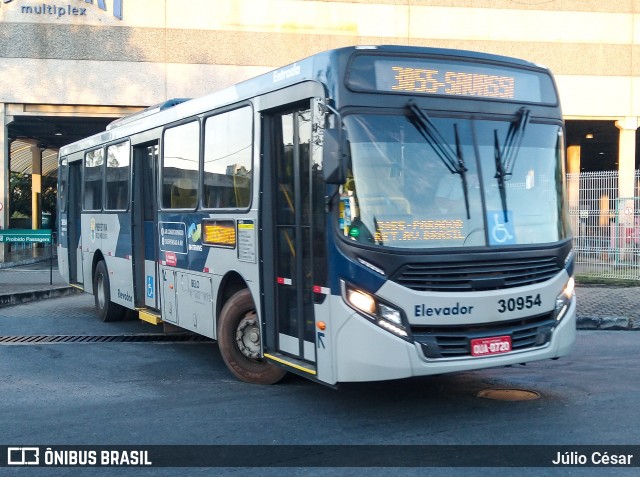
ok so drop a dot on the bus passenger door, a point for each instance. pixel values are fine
(74, 230)
(145, 220)
(287, 238)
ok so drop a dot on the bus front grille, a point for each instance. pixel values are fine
(477, 275)
(440, 342)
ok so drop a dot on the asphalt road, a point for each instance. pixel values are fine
(181, 393)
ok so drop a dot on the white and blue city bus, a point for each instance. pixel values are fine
(368, 213)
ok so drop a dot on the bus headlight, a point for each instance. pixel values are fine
(390, 314)
(563, 301)
(382, 314)
(361, 301)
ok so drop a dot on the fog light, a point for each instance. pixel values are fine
(570, 288)
(563, 300)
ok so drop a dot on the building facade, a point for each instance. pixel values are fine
(69, 67)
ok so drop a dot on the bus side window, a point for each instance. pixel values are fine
(117, 177)
(228, 159)
(183, 194)
(180, 164)
(93, 162)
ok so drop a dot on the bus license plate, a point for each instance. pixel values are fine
(489, 346)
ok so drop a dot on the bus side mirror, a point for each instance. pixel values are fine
(334, 156)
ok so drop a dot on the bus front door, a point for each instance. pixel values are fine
(287, 218)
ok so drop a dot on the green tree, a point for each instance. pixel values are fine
(20, 195)
(49, 194)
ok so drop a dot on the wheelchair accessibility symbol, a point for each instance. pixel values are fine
(150, 287)
(501, 232)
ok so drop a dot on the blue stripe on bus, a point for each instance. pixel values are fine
(343, 268)
(124, 243)
(190, 255)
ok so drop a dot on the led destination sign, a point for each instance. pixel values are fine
(422, 80)
(449, 78)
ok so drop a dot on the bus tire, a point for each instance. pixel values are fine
(239, 342)
(106, 309)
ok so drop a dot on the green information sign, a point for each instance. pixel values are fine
(25, 236)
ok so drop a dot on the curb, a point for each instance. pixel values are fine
(11, 299)
(28, 261)
(607, 323)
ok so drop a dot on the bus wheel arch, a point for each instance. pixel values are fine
(106, 309)
(230, 285)
(97, 258)
(239, 341)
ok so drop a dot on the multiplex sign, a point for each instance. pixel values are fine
(64, 10)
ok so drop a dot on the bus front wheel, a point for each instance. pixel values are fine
(107, 310)
(239, 342)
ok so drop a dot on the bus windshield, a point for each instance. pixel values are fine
(441, 182)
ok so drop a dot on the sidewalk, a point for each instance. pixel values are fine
(25, 277)
(602, 307)
(25, 256)
(30, 274)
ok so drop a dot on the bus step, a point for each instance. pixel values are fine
(298, 364)
(149, 317)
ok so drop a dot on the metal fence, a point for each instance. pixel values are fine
(606, 228)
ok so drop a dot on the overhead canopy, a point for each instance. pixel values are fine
(55, 131)
(21, 159)
(50, 132)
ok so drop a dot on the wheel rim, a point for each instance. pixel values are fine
(102, 299)
(248, 336)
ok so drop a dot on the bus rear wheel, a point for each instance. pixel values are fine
(239, 342)
(106, 309)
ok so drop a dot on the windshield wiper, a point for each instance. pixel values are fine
(462, 170)
(500, 173)
(514, 140)
(506, 157)
(453, 160)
